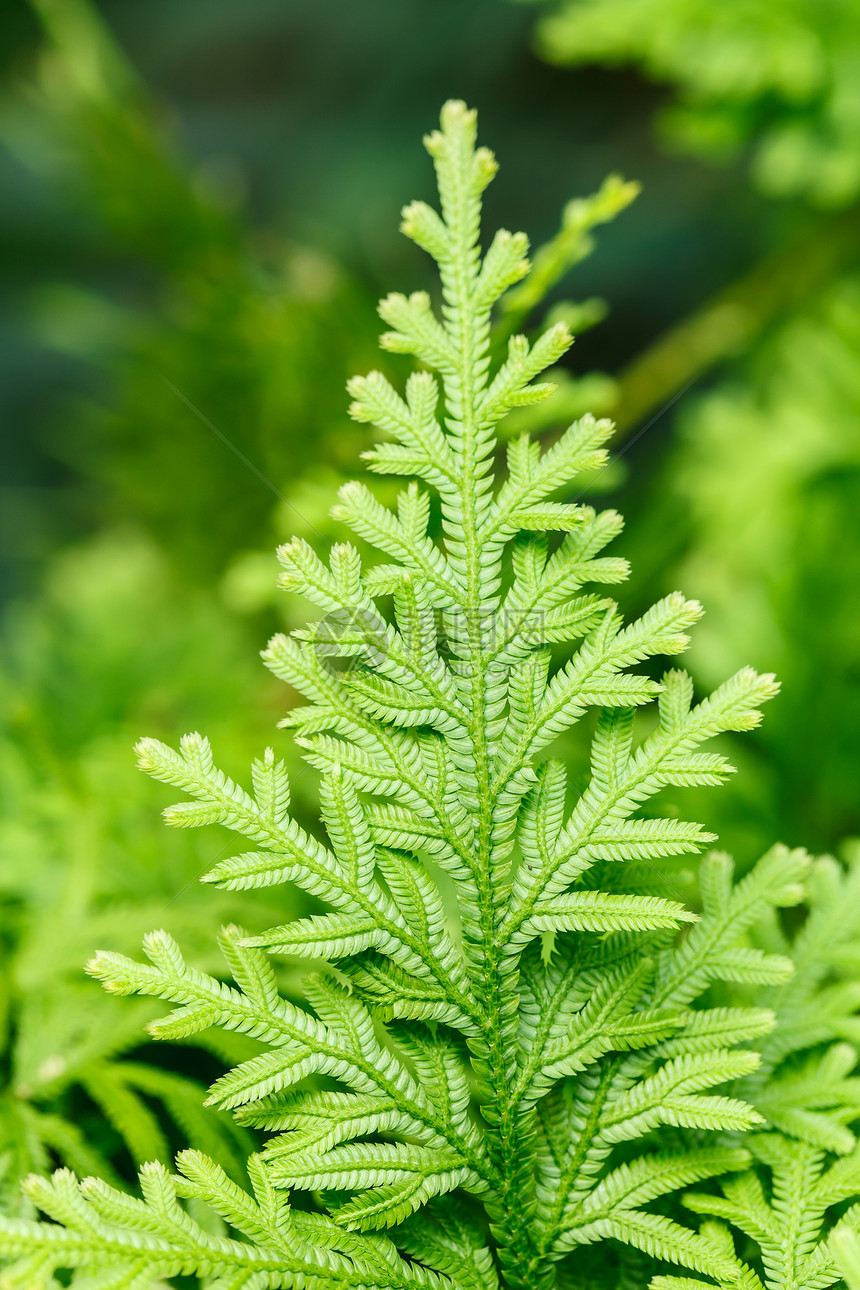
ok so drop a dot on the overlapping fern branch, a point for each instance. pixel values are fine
(775, 1220)
(514, 997)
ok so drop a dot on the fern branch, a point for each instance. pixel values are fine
(512, 1011)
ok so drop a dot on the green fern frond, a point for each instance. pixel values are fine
(139, 1241)
(787, 1222)
(509, 1011)
(806, 1086)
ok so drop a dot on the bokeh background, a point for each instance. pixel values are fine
(198, 211)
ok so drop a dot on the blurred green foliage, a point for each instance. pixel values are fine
(111, 645)
(253, 337)
(773, 550)
(780, 75)
(758, 477)
(128, 634)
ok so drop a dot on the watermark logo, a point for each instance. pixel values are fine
(361, 633)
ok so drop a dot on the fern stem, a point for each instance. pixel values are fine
(513, 1212)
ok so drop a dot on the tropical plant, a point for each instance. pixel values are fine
(519, 1050)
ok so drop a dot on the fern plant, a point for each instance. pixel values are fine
(102, 646)
(774, 1221)
(514, 1056)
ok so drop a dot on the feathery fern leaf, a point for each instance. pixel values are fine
(138, 1242)
(786, 1221)
(506, 1014)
